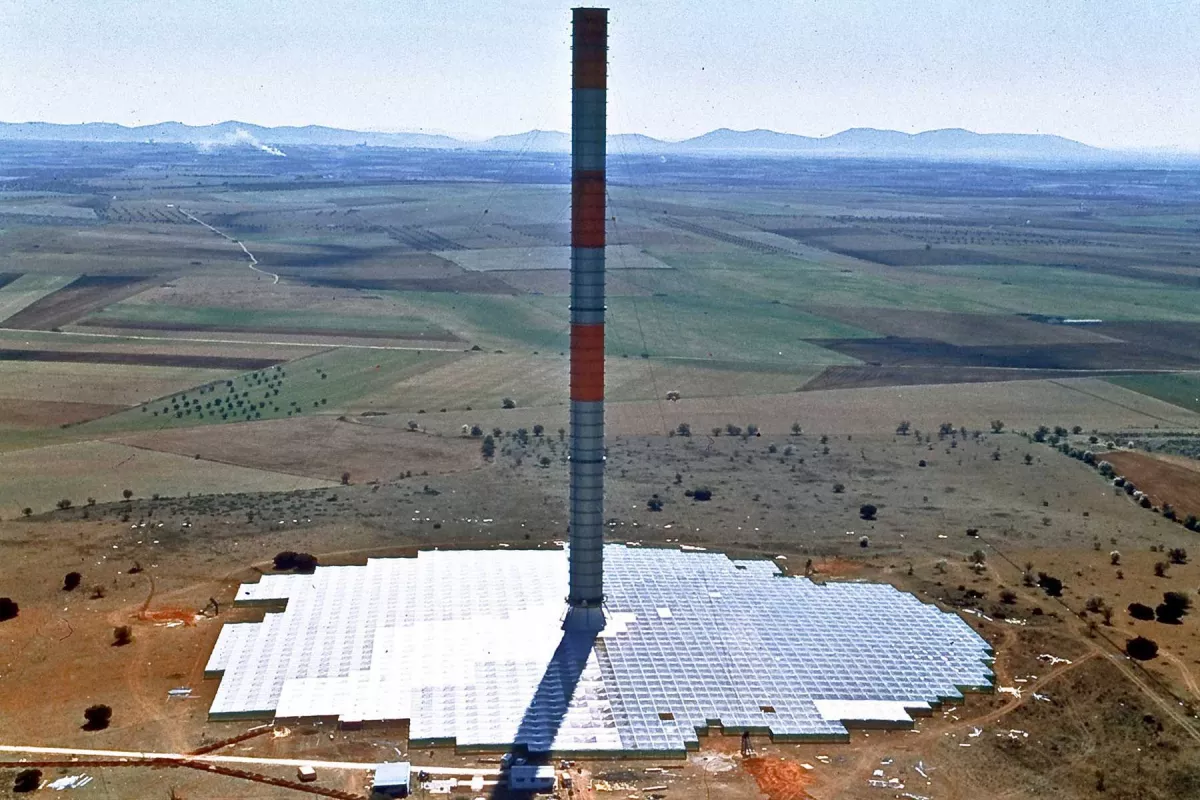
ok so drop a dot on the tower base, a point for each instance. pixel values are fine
(584, 619)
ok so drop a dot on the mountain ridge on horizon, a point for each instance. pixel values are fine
(945, 142)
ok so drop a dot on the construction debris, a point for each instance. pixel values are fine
(69, 782)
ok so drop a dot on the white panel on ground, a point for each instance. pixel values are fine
(467, 646)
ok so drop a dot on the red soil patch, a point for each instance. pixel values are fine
(778, 779)
(836, 568)
(1163, 481)
(195, 327)
(143, 359)
(47, 413)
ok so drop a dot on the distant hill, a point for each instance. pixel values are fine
(860, 142)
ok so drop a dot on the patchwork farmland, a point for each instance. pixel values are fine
(798, 340)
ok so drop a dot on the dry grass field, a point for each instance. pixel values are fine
(318, 447)
(102, 470)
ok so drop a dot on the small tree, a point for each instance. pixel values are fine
(1052, 586)
(64, 504)
(1140, 611)
(305, 563)
(488, 447)
(1008, 596)
(508, 403)
(1160, 569)
(285, 560)
(98, 717)
(71, 581)
(127, 493)
(27, 780)
(655, 503)
(684, 429)
(476, 431)
(1178, 600)
(796, 429)
(345, 479)
(412, 425)
(8, 609)
(997, 425)
(538, 430)
(864, 541)
(1177, 555)
(838, 488)
(867, 511)
(703, 494)
(903, 428)
(544, 461)
(29, 511)
(1028, 459)
(122, 635)
(1141, 648)
(1114, 557)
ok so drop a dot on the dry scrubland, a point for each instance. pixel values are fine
(1056, 514)
(844, 297)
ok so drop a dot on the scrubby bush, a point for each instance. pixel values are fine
(8, 609)
(27, 780)
(71, 581)
(1141, 648)
(1114, 557)
(1052, 586)
(655, 503)
(122, 635)
(867, 511)
(1177, 555)
(488, 447)
(838, 488)
(1008, 596)
(702, 494)
(1141, 611)
(97, 717)
(864, 541)
(305, 562)
(508, 403)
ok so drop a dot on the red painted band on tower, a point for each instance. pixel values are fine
(587, 208)
(590, 43)
(587, 363)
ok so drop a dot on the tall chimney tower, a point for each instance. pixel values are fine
(589, 43)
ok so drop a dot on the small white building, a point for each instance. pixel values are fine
(532, 778)
(392, 780)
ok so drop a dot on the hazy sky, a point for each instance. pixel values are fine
(1118, 73)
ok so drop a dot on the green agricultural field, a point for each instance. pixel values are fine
(233, 319)
(1029, 289)
(1179, 389)
(27, 290)
(687, 315)
(325, 383)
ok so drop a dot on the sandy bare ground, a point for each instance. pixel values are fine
(38, 478)
(318, 447)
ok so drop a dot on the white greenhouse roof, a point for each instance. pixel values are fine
(467, 646)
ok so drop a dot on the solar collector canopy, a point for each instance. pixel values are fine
(466, 647)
